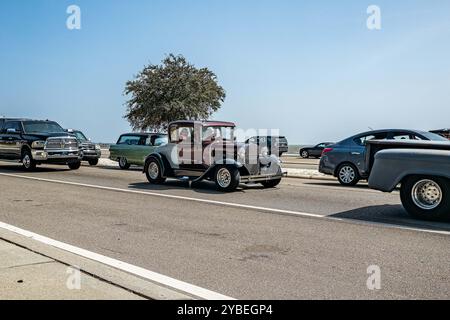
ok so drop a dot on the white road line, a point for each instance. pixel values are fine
(232, 205)
(181, 286)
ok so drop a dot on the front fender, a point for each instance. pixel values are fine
(391, 166)
(160, 160)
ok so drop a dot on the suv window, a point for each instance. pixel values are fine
(130, 140)
(12, 125)
(362, 141)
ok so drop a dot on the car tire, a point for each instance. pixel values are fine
(93, 162)
(27, 160)
(153, 171)
(227, 178)
(75, 165)
(271, 183)
(304, 154)
(426, 198)
(123, 163)
(348, 175)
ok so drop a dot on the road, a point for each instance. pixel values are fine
(307, 239)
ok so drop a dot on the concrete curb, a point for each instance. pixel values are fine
(134, 284)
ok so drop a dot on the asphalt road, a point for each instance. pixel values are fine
(306, 239)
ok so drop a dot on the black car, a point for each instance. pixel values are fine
(33, 142)
(315, 151)
(275, 144)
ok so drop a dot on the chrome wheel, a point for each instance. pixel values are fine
(305, 154)
(427, 194)
(153, 170)
(123, 162)
(26, 161)
(223, 178)
(347, 174)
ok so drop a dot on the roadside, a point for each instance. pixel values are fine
(33, 270)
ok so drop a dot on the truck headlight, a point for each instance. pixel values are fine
(38, 145)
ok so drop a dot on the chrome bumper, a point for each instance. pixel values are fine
(46, 155)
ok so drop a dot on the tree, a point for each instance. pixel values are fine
(174, 90)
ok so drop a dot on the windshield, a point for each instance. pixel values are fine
(80, 136)
(224, 133)
(42, 127)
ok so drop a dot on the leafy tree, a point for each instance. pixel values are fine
(174, 90)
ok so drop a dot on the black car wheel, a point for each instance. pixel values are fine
(93, 162)
(75, 165)
(153, 171)
(426, 198)
(27, 160)
(227, 178)
(123, 163)
(271, 183)
(348, 175)
(304, 154)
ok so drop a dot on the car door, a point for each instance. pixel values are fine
(11, 139)
(358, 149)
(317, 150)
(124, 148)
(143, 149)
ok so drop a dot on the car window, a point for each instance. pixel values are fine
(322, 145)
(129, 140)
(401, 136)
(181, 134)
(362, 141)
(159, 141)
(13, 125)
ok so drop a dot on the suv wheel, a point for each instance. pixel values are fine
(348, 175)
(93, 162)
(304, 154)
(227, 178)
(426, 198)
(27, 160)
(75, 165)
(123, 163)
(153, 171)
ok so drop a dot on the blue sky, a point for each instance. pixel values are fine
(309, 68)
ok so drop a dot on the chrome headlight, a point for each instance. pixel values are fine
(38, 145)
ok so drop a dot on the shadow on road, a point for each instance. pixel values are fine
(17, 169)
(391, 214)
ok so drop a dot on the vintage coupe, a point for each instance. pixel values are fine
(133, 148)
(199, 150)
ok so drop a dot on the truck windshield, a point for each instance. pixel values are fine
(42, 127)
(80, 136)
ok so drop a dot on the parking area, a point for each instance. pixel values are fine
(305, 239)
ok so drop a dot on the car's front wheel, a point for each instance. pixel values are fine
(348, 175)
(123, 163)
(75, 165)
(426, 198)
(27, 161)
(227, 178)
(93, 162)
(153, 172)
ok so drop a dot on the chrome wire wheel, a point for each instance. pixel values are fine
(153, 170)
(26, 161)
(223, 178)
(347, 174)
(427, 194)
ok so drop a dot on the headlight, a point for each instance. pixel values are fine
(38, 145)
(97, 147)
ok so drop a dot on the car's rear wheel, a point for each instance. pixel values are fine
(426, 198)
(123, 163)
(75, 165)
(153, 171)
(227, 178)
(27, 160)
(304, 154)
(271, 183)
(93, 162)
(348, 175)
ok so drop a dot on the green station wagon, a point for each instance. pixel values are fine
(133, 148)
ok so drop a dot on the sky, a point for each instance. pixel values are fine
(311, 69)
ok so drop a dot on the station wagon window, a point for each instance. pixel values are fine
(129, 140)
(159, 141)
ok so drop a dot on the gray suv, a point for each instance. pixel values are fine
(346, 159)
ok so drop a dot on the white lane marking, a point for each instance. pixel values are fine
(233, 205)
(181, 286)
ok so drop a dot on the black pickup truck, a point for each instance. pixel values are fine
(33, 142)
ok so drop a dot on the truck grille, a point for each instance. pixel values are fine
(61, 144)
